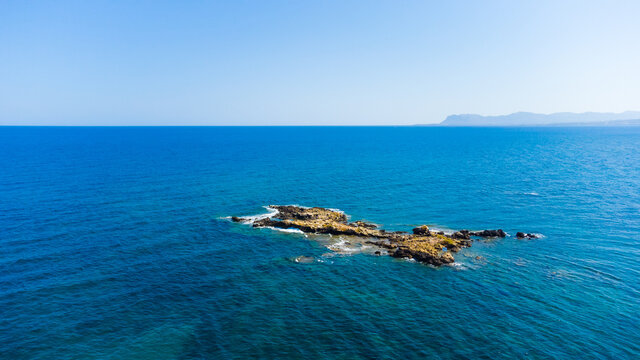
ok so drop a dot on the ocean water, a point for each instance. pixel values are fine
(114, 243)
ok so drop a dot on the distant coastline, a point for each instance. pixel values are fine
(627, 118)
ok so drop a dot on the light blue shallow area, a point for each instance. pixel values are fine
(113, 243)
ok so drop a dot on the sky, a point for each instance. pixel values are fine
(312, 62)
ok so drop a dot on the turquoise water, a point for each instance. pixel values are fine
(113, 243)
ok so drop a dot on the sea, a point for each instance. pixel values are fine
(116, 243)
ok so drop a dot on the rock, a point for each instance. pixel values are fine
(521, 235)
(446, 258)
(382, 244)
(464, 243)
(461, 235)
(364, 224)
(236, 219)
(454, 248)
(292, 212)
(425, 257)
(427, 251)
(377, 252)
(489, 233)
(422, 230)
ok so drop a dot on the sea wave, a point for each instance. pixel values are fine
(436, 229)
(338, 211)
(459, 266)
(294, 231)
(342, 246)
(250, 219)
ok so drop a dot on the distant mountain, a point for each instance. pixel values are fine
(557, 119)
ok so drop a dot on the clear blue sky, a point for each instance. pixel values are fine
(300, 63)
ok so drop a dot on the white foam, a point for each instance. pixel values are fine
(537, 235)
(459, 266)
(342, 246)
(532, 193)
(295, 231)
(435, 229)
(253, 218)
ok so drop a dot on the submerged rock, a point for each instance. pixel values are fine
(422, 245)
(304, 259)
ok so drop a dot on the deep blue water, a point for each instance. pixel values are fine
(113, 243)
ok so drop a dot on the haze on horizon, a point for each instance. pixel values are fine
(302, 63)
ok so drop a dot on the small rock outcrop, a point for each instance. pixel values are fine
(489, 233)
(521, 235)
(293, 212)
(462, 234)
(422, 245)
(422, 230)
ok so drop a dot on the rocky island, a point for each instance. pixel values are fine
(423, 245)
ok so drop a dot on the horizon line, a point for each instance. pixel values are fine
(439, 125)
